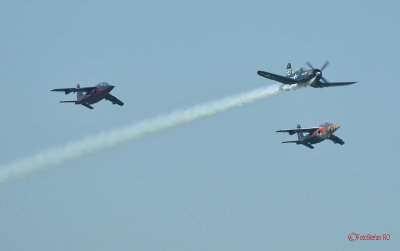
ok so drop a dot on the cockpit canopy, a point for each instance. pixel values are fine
(300, 70)
(102, 85)
(326, 124)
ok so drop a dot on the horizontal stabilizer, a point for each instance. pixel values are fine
(69, 90)
(68, 101)
(294, 141)
(293, 131)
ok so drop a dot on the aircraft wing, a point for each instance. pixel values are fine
(69, 90)
(293, 131)
(87, 105)
(309, 146)
(336, 139)
(330, 84)
(278, 78)
(114, 100)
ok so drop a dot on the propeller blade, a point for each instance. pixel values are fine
(309, 65)
(325, 65)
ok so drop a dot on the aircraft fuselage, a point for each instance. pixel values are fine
(319, 135)
(94, 96)
(306, 77)
(303, 77)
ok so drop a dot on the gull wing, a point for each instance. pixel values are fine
(279, 78)
(330, 84)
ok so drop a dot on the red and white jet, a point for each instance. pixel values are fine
(93, 94)
(315, 134)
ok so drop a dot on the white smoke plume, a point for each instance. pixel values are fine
(80, 148)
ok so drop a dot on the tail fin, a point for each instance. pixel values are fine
(299, 134)
(289, 69)
(78, 94)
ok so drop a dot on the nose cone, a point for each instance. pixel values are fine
(333, 128)
(111, 87)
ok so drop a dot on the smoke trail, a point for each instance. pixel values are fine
(104, 141)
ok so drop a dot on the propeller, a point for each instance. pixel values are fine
(322, 68)
(325, 65)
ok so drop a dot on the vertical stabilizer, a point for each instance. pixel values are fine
(78, 94)
(300, 134)
(289, 69)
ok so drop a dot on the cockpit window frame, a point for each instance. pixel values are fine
(326, 124)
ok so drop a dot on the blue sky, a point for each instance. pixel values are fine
(220, 183)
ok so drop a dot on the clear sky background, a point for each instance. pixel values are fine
(220, 183)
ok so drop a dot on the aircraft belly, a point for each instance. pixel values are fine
(94, 98)
(306, 82)
(316, 139)
(312, 81)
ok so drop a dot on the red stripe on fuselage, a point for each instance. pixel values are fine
(95, 96)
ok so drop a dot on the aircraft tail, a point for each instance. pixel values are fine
(300, 134)
(288, 69)
(78, 94)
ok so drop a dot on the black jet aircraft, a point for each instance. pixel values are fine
(93, 94)
(315, 134)
(311, 77)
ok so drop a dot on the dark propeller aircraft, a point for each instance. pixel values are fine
(315, 135)
(92, 95)
(311, 77)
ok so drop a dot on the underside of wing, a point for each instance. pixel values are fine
(309, 146)
(331, 84)
(69, 90)
(278, 78)
(336, 139)
(87, 105)
(114, 100)
(293, 131)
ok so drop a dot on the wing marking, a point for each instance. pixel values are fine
(282, 79)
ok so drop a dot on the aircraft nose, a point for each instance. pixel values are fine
(335, 128)
(111, 87)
